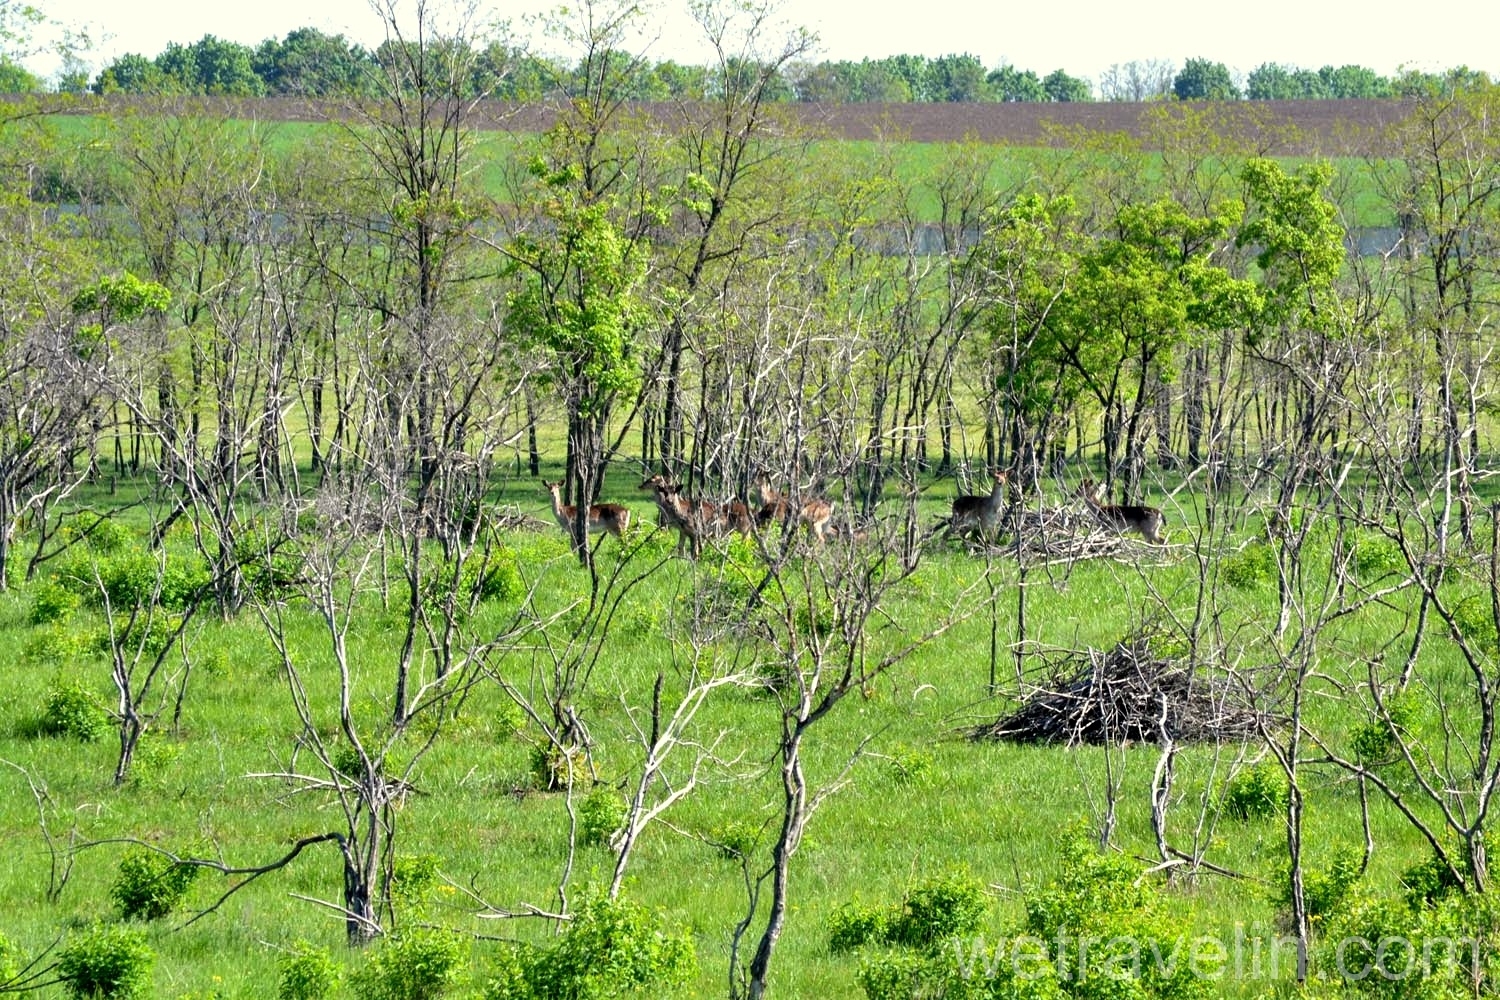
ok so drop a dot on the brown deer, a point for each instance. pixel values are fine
(603, 517)
(1147, 521)
(695, 520)
(813, 513)
(980, 513)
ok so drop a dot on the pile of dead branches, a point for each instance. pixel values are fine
(1039, 535)
(1100, 697)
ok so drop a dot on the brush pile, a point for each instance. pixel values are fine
(1127, 693)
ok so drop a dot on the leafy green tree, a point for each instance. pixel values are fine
(310, 62)
(1010, 84)
(212, 66)
(916, 73)
(17, 79)
(1272, 82)
(1060, 87)
(1355, 83)
(959, 78)
(1139, 293)
(1202, 80)
(133, 74)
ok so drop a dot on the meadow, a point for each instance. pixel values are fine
(923, 801)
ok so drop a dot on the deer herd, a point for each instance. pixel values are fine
(696, 520)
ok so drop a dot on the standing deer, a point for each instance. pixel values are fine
(813, 513)
(980, 512)
(1124, 517)
(696, 520)
(611, 517)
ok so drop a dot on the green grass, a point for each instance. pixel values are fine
(997, 810)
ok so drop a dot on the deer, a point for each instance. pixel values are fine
(980, 512)
(1147, 521)
(813, 513)
(603, 517)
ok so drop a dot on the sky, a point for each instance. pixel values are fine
(1081, 37)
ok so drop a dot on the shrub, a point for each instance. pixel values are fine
(153, 759)
(419, 965)
(1427, 882)
(1257, 792)
(52, 602)
(1250, 567)
(8, 967)
(147, 632)
(308, 974)
(1324, 890)
(1376, 741)
(1376, 555)
(938, 909)
(853, 926)
(150, 885)
(106, 963)
(413, 879)
(911, 767)
(600, 817)
(72, 710)
(55, 643)
(612, 948)
(1475, 620)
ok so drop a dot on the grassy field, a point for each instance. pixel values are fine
(924, 800)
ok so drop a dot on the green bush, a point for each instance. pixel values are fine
(1324, 890)
(134, 578)
(150, 885)
(932, 912)
(153, 759)
(106, 963)
(1428, 882)
(1474, 618)
(8, 963)
(52, 602)
(417, 965)
(1257, 792)
(147, 632)
(1377, 741)
(600, 816)
(413, 879)
(72, 710)
(612, 948)
(1377, 555)
(1250, 567)
(55, 643)
(938, 909)
(911, 767)
(308, 974)
(853, 926)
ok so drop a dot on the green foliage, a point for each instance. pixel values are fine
(418, 965)
(937, 909)
(121, 299)
(1377, 556)
(601, 815)
(413, 879)
(1324, 890)
(72, 710)
(1250, 567)
(611, 948)
(1474, 618)
(309, 973)
(52, 602)
(1393, 949)
(106, 963)
(1377, 741)
(134, 578)
(150, 885)
(153, 759)
(1257, 792)
(55, 643)
(9, 964)
(932, 912)
(554, 768)
(910, 766)
(852, 926)
(1427, 882)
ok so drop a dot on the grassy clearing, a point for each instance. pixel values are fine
(925, 800)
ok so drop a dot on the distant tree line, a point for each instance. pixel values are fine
(311, 63)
